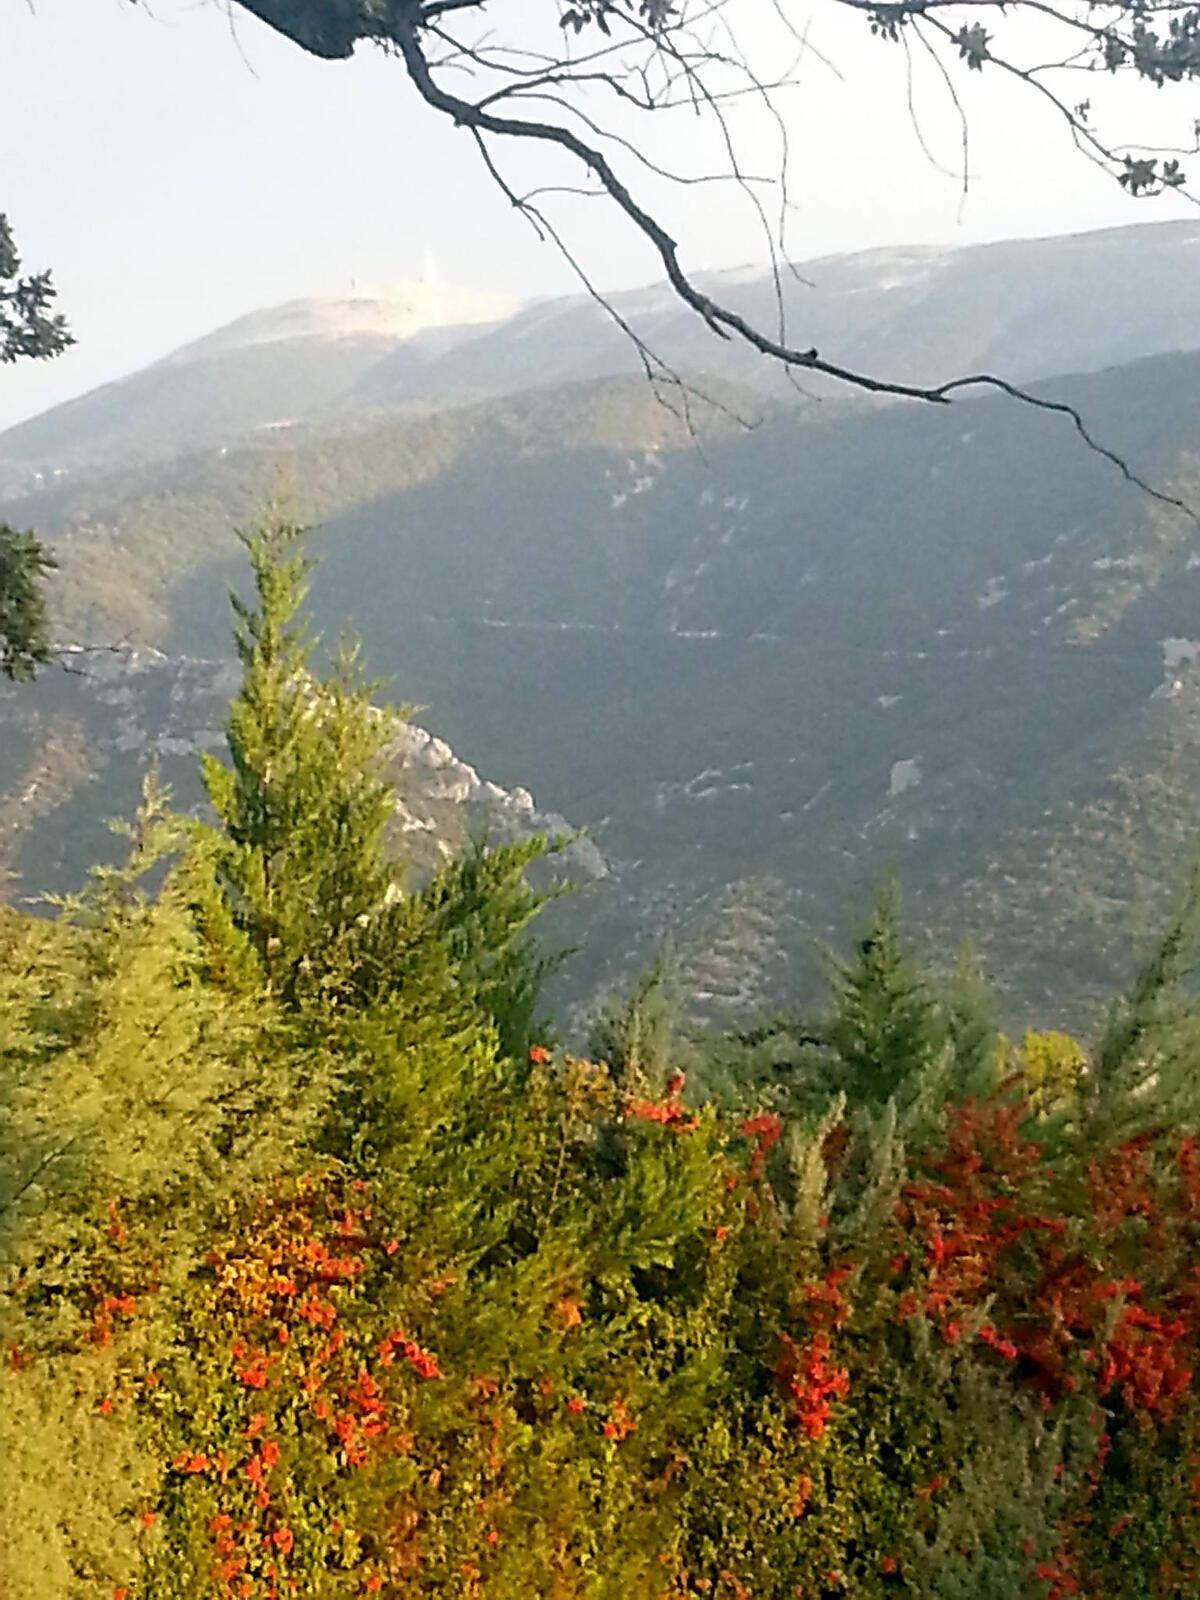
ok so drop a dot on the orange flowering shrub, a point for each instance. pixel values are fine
(349, 1415)
(991, 1374)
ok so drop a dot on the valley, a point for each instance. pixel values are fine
(762, 666)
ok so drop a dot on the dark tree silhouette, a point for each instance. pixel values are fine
(29, 330)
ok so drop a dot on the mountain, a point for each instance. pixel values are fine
(767, 674)
(763, 667)
(1026, 308)
(270, 370)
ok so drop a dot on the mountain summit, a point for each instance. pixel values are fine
(271, 369)
(1029, 309)
(390, 314)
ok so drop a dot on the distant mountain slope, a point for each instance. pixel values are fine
(135, 543)
(1026, 308)
(762, 668)
(171, 408)
(269, 370)
(767, 675)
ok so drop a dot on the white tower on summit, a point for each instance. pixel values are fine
(430, 274)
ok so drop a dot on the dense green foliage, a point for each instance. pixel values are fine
(324, 1273)
(24, 640)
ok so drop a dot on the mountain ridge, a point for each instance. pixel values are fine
(390, 313)
(1031, 309)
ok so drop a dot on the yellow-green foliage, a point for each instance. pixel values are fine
(1052, 1064)
(71, 1479)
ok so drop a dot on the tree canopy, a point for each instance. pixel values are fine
(29, 328)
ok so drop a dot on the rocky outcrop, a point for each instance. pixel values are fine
(133, 708)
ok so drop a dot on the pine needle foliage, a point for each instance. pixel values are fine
(24, 624)
(638, 1034)
(886, 1026)
(303, 804)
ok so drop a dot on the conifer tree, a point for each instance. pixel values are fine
(637, 1033)
(1143, 1071)
(24, 639)
(479, 905)
(886, 1026)
(305, 876)
(971, 1025)
(135, 1080)
(138, 1101)
(303, 805)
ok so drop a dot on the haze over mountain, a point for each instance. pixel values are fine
(1023, 308)
(761, 667)
(269, 369)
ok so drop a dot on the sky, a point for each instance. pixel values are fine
(178, 164)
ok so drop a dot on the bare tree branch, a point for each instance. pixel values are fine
(659, 55)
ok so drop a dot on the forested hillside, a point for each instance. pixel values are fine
(951, 644)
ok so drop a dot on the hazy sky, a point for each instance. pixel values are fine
(177, 168)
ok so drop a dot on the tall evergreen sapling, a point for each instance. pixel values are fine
(303, 804)
(886, 1025)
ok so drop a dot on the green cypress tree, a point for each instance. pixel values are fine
(24, 640)
(303, 804)
(1142, 1073)
(138, 1101)
(300, 885)
(971, 1024)
(637, 1033)
(480, 906)
(126, 1075)
(886, 1027)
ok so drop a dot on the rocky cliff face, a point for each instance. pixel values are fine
(79, 742)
